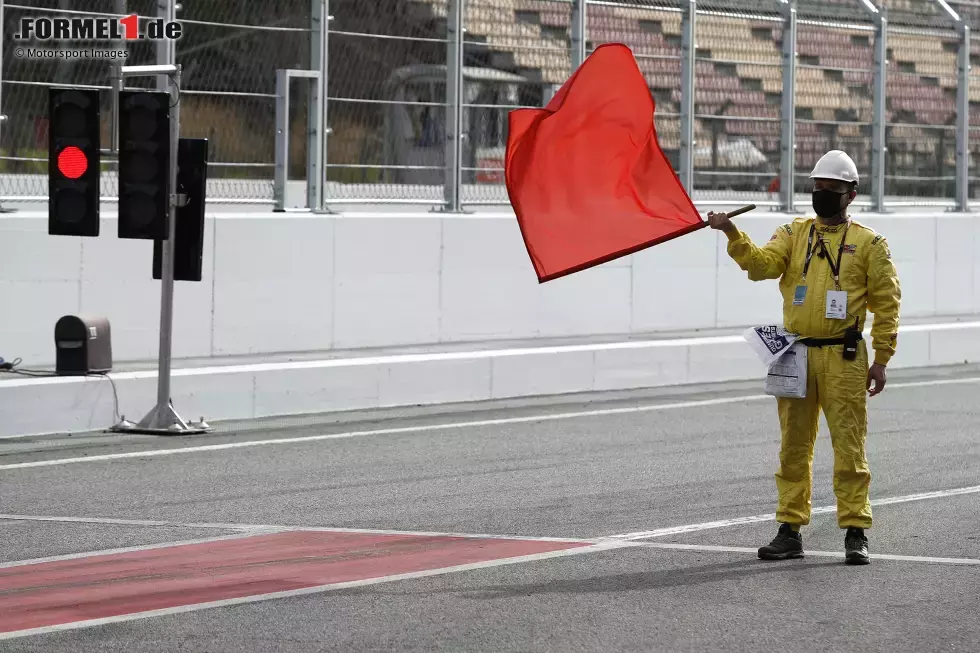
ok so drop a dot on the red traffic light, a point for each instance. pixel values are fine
(72, 162)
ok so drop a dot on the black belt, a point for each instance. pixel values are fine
(826, 342)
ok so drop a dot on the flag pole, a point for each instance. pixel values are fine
(744, 209)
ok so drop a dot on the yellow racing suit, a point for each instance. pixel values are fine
(834, 385)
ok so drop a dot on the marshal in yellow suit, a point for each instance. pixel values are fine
(837, 386)
(832, 271)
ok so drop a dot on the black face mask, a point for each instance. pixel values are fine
(827, 203)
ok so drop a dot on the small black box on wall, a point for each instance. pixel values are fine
(83, 345)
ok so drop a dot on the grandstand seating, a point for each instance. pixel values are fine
(738, 72)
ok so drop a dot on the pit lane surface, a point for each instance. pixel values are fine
(665, 499)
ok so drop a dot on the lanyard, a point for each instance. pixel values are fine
(834, 268)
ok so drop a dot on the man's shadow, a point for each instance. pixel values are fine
(684, 577)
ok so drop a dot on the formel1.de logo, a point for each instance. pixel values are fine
(41, 28)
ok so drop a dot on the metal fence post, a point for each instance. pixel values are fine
(579, 32)
(963, 121)
(116, 84)
(316, 128)
(166, 49)
(3, 116)
(688, 51)
(454, 109)
(879, 149)
(280, 174)
(787, 134)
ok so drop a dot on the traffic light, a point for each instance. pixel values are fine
(144, 164)
(192, 181)
(74, 133)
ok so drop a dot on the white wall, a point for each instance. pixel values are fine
(61, 404)
(285, 282)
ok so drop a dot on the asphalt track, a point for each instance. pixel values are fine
(637, 520)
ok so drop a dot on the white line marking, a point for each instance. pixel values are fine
(388, 431)
(444, 427)
(474, 536)
(395, 359)
(251, 529)
(603, 546)
(755, 519)
(128, 549)
(135, 522)
(817, 554)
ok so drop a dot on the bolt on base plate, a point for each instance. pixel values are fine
(162, 420)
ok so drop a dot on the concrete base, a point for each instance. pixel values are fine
(32, 406)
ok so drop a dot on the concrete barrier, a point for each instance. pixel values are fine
(233, 392)
(280, 283)
(299, 286)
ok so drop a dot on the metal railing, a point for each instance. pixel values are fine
(408, 99)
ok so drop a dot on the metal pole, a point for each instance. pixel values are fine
(688, 51)
(316, 110)
(163, 45)
(2, 31)
(579, 32)
(3, 116)
(164, 418)
(879, 148)
(454, 100)
(280, 180)
(787, 176)
(324, 104)
(963, 121)
(64, 73)
(281, 173)
(116, 83)
(167, 263)
(166, 50)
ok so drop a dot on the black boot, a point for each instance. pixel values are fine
(856, 547)
(787, 544)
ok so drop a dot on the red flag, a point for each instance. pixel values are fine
(586, 175)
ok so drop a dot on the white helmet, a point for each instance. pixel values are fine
(835, 164)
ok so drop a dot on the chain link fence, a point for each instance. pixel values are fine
(517, 54)
(390, 91)
(26, 79)
(921, 91)
(834, 103)
(737, 100)
(387, 97)
(653, 30)
(229, 53)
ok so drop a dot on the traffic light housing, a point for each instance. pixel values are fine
(192, 181)
(144, 164)
(74, 135)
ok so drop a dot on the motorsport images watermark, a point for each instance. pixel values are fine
(71, 53)
(41, 28)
